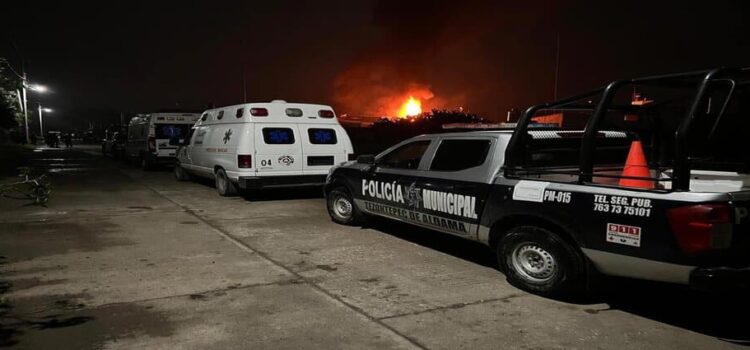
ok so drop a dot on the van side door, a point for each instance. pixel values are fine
(278, 149)
(185, 152)
(198, 151)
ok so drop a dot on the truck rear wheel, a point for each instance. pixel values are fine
(342, 209)
(180, 174)
(224, 186)
(539, 261)
(145, 163)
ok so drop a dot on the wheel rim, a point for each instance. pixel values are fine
(342, 207)
(533, 262)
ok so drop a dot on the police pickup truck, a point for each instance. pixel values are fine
(651, 184)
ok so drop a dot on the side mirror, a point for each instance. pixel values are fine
(366, 159)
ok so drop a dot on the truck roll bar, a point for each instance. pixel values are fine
(514, 155)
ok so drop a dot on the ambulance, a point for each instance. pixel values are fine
(151, 137)
(255, 146)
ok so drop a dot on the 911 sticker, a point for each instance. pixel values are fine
(624, 234)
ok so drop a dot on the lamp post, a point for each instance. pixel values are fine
(45, 110)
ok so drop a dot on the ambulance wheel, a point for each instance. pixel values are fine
(539, 261)
(342, 209)
(180, 174)
(224, 186)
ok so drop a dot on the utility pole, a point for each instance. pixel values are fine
(25, 104)
(41, 129)
(557, 65)
(244, 85)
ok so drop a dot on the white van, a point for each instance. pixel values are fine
(150, 137)
(264, 145)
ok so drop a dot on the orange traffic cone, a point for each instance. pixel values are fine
(636, 166)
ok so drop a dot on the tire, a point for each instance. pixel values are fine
(539, 261)
(145, 163)
(342, 209)
(41, 195)
(180, 174)
(224, 186)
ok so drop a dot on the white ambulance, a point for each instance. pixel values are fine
(264, 145)
(152, 138)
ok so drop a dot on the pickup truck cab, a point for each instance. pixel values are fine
(558, 204)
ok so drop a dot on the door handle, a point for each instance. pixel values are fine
(437, 187)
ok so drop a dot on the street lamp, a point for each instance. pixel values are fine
(45, 110)
(38, 88)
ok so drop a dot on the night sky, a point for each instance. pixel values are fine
(360, 56)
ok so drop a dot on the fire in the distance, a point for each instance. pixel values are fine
(411, 108)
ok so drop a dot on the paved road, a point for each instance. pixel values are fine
(126, 259)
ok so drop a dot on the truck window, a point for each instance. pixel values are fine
(220, 115)
(278, 136)
(407, 156)
(171, 131)
(322, 136)
(455, 155)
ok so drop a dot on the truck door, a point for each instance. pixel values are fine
(278, 149)
(391, 186)
(455, 183)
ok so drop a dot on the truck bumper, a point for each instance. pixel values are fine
(160, 160)
(258, 182)
(720, 279)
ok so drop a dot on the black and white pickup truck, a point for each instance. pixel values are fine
(555, 204)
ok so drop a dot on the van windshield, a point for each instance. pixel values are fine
(171, 131)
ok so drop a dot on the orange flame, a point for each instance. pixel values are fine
(410, 108)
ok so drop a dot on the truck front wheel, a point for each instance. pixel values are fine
(179, 173)
(539, 261)
(342, 209)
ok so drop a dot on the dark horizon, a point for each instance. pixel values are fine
(357, 56)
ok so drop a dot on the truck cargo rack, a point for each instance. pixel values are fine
(698, 89)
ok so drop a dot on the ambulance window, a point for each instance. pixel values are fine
(407, 156)
(239, 112)
(455, 155)
(322, 136)
(221, 115)
(278, 136)
(204, 117)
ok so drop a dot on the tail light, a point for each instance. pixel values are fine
(258, 112)
(152, 144)
(325, 113)
(702, 227)
(244, 161)
(351, 156)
